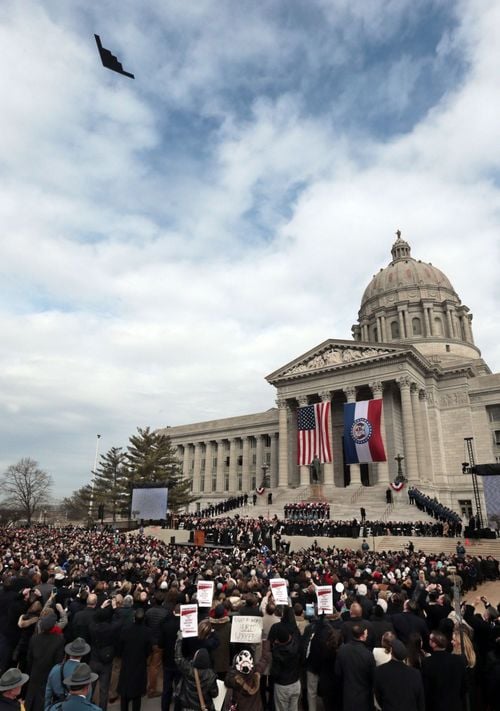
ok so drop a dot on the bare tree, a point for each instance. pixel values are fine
(25, 487)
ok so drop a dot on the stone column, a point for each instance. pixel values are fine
(419, 429)
(428, 330)
(186, 461)
(208, 467)
(449, 320)
(326, 396)
(246, 465)
(402, 332)
(233, 482)
(411, 466)
(377, 389)
(259, 459)
(355, 471)
(283, 442)
(197, 467)
(431, 319)
(220, 466)
(304, 471)
(274, 460)
(424, 414)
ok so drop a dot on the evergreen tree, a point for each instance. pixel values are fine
(111, 483)
(152, 459)
(76, 506)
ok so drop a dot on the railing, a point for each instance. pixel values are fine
(357, 494)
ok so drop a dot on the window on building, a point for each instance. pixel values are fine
(268, 458)
(214, 463)
(227, 461)
(494, 413)
(497, 438)
(375, 334)
(253, 443)
(240, 481)
(202, 482)
(394, 330)
(267, 440)
(214, 483)
(240, 460)
(202, 464)
(226, 481)
(416, 326)
(254, 459)
(253, 482)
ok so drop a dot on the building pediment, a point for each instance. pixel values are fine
(331, 355)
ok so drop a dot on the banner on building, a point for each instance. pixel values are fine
(313, 430)
(362, 434)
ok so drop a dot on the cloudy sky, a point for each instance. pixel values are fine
(169, 241)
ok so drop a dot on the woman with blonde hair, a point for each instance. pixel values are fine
(462, 644)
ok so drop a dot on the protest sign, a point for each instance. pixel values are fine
(246, 629)
(279, 591)
(189, 620)
(205, 593)
(325, 599)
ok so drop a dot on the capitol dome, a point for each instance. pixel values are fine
(411, 300)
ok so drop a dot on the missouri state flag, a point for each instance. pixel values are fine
(313, 431)
(362, 434)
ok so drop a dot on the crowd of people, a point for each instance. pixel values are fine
(96, 614)
(434, 508)
(246, 530)
(307, 510)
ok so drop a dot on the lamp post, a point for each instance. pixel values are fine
(92, 482)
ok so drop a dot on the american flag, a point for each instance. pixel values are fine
(313, 426)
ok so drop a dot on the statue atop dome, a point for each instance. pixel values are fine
(400, 248)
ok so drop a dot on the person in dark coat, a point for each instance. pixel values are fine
(168, 638)
(444, 676)
(104, 633)
(199, 665)
(327, 688)
(354, 671)
(398, 686)
(410, 621)
(134, 647)
(11, 683)
(45, 650)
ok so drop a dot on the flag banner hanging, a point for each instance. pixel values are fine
(313, 429)
(362, 435)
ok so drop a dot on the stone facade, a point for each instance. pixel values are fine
(413, 346)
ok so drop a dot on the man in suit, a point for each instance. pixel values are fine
(444, 676)
(398, 686)
(354, 670)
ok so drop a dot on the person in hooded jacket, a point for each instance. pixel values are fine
(285, 666)
(244, 679)
(198, 666)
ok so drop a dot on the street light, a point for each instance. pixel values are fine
(92, 481)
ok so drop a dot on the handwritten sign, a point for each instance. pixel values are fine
(189, 620)
(246, 629)
(205, 593)
(279, 590)
(325, 599)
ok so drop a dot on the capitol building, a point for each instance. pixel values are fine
(412, 346)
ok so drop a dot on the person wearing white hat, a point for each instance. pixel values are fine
(11, 683)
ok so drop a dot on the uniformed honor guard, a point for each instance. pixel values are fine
(79, 684)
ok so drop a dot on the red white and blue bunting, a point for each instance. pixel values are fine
(397, 485)
(260, 490)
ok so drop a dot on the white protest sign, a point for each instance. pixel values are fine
(205, 593)
(246, 629)
(279, 591)
(325, 599)
(189, 620)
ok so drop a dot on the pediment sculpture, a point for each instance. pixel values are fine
(334, 356)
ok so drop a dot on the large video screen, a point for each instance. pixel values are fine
(150, 502)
